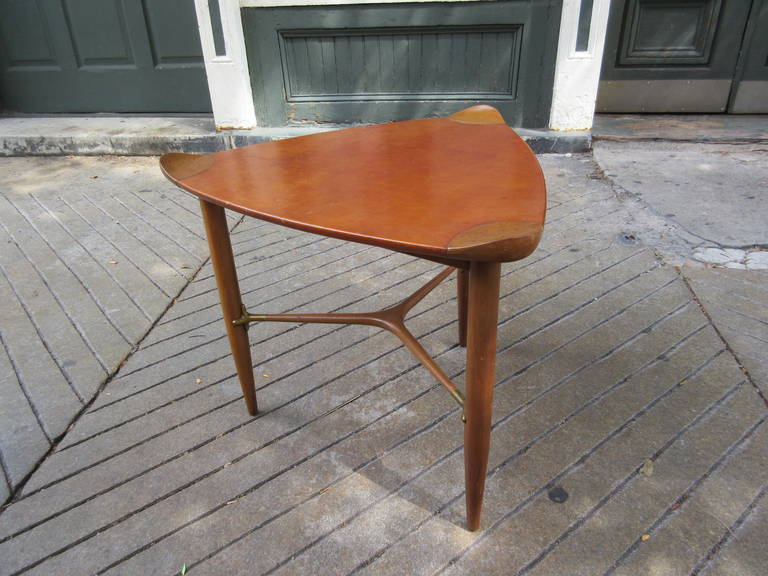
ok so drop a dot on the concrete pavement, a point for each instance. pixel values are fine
(93, 252)
(697, 187)
(713, 195)
(616, 383)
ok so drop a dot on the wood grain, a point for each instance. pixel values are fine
(422, 187)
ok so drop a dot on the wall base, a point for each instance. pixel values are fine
(132, 136)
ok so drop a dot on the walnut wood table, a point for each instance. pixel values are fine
(463, 190)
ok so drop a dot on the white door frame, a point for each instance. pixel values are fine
(577, 73)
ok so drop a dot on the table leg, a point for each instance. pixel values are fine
(482, 321)
(462, 290)
(223, 262)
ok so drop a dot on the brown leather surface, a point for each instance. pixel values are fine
(463, 187)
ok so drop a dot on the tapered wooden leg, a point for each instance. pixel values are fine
(482, 320)
(462, 289)
(217, 231)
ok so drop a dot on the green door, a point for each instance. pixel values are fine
(382, 62)
(750, 93)
(684, 56)
(101, 56)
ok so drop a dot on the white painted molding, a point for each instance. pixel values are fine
(228, 78)
(577, 74)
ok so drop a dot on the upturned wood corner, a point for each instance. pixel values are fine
(463, 190)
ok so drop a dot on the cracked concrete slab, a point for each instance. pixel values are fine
(714, 192)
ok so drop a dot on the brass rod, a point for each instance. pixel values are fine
(361, 318)
(405, 306)
(391, 319)
(429, 363)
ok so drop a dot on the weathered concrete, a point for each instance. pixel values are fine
(140, 136)
(714, 192)
(93, 251)
(723, 128)
(606, 363)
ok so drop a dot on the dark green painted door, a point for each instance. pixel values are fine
(376, 63)
(750, 93)
(101, 56)
(673, 55)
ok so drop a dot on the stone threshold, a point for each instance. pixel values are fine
(96, 135)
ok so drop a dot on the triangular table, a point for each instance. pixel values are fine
(464, 191)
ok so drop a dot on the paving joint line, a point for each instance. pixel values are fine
(38, 330)
(451, 501)
(420, 474)
(683, 499)
(4, 470)
(99, 264)
(44, 280)
(351, 400)
(149, 224)
(24, 391)
(720, 335)
(523, 504)
(624, 380)
(210, 277)
(742, 314)
(342, 327)
(260, 247)
(340, 376)
(730, 532)
(613, 316)
(114, 246)
(222, 337)
(136, 237)
(262, 287)
(627, 479)
(172, 198)
(74, 274)
(167, 215)
(54, 442)
(203, 278)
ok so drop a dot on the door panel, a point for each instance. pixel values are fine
(170, 49)
(104, 45)
(751, 91)
(413, 63)
(671, 55)
(24, 34)
(669, 33)
(377, 63)
(101, 56)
